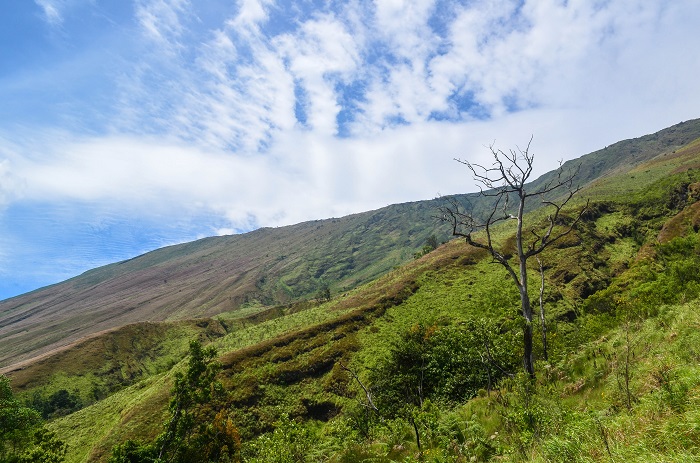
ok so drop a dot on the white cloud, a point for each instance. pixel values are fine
(236, 91)
(52, 11)
(403, 25)
(246, 86)
(251, 13)
(318, 64)
(305, 176)
(160, 21)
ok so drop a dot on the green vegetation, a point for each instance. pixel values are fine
(190, 433)
(283, 265)
(100, 366)
(23, 438)
(424, 362)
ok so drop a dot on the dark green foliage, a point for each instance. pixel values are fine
(16, 421)
(194, 431)
(192, 391)
(431, 244)
(22, 437)
(133, 452)
(45, 448)
(448, 364)
(324, 293)
(60, 403)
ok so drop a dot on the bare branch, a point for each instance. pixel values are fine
(536, 248)
(368, 394)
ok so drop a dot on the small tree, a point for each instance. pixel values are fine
(505, 181)
(192, 389)
(324, 293)
(195, 430)
(23, 438)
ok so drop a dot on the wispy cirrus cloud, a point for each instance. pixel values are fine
(161, 22)
(51, 10)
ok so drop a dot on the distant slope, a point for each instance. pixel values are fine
(264, 267)
(106, 361)
(292, 364)
(213, 275)
(627, 154)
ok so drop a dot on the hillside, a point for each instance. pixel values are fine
(213, 275)
(261, 268)
(621, 382)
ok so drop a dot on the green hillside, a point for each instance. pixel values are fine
(423, 363)
(266, 267)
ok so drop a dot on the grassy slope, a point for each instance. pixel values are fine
(104, 363)
(215, 275)
(270, 370)
(265, 267)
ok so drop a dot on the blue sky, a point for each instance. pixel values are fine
(131, 125)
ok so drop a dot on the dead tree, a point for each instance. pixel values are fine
(505, 181)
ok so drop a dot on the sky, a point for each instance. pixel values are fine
(128, 125)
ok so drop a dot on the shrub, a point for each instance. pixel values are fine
(444, 363)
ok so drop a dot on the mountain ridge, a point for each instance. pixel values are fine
(261, 268)
(634, 251)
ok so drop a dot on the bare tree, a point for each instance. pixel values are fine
(505, 181)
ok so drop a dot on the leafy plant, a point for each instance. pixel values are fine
(448, 364)
(290, 442)
(23, 439)
(191, 433)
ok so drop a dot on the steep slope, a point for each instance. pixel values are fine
(213, 275)
(294, 364)
(264, 267)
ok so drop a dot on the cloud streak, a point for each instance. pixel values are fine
(51, 10)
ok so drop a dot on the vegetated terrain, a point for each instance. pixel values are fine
(423, 363)
(263, 268)
(214, 275)
(260, 269)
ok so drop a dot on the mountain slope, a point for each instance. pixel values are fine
(264, 267)
(294, 364)
(623, 256)
(213, 275)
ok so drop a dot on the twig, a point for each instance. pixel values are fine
(368, 394)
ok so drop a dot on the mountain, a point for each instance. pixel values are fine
(266, 267)
(262, 268)
(297, 381)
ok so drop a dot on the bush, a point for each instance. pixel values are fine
(195, 431)
(448, 364)
(60, 403)
(23, 439)
(288, 443)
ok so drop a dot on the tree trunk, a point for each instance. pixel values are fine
(415, 429)
(543, 320)
(504, 180)
(522, 286)
(528, 363)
